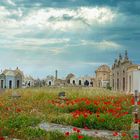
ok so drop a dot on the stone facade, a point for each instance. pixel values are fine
(50, 80)
(119, 79)
(82, 81)
(103, 76)
(101, 80)
(28, 81)
(68, 77)
(133, 76)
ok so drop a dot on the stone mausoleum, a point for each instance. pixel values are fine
(11, 78)
(125, 75)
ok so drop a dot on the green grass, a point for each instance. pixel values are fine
(19, 117)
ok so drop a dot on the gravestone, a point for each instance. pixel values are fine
(61, 94)
(62, 97)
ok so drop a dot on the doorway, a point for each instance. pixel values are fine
(50, 83)
(123, 84)
(80, 82)
(2, 84)
(18, 83)
(86, 83)
(10, 84)
(73, 82)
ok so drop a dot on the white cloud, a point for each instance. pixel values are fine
(3, 12)
(56, 50)
(96, 15)
(109, 45)
(31, 44)
(76, 17)
(6, 22)
(102, 45)
(57, 19)
(11, 2)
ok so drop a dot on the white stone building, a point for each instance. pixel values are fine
(103, 76)
(119, 73)
(133, 76)
(50, 80)
(11, 78)
(125, 75)
(81, 81)
(28, 81)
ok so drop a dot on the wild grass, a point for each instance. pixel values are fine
(18, 116)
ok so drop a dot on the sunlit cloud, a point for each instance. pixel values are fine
(58, 19)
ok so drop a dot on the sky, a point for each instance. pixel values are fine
(72, 36)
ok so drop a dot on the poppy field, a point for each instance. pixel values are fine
(87, 108)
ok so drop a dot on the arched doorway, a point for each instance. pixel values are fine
(130, 83)
(123, 83)
(73, 82)
(91, 83)
(50, 83)
(10, 84)
(80, 82)
(2, 83)
(86, 83)
(118, 84)
(29, 84)
(18, 83)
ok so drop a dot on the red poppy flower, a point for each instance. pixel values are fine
(98, 115)
(124, 134)
(86, 128)
(18, 110)
(85, 115)
(138, 121)
(1, 138)
(74, 129)
(67, 134)
(7, 108)
(136, 136)
(78, 131)
(115, 134)
(80, 137)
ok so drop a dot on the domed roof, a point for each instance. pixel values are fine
(103, 68)
(69, 76)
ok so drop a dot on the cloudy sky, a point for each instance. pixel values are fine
(40, 36)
